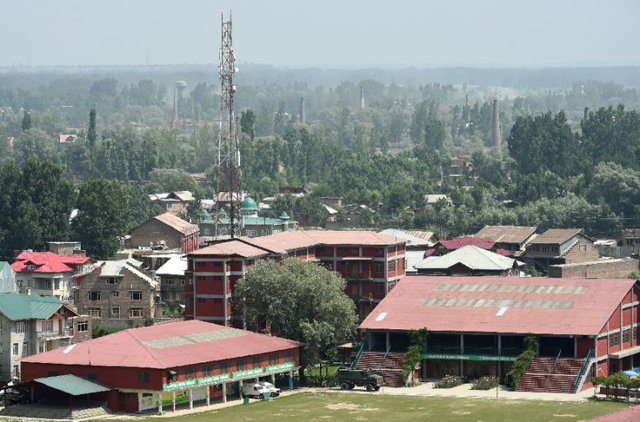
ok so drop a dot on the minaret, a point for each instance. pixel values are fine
(303, 115)
(495, 129)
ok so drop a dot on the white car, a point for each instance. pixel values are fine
(254, 390)
(275, 391)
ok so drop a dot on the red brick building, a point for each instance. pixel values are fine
(146, 368)
(585, 327)
(165, 231)
(371, 263)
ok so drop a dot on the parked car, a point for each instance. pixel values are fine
(13, 396)
(254, 390)
(349, 378)
(275, 391)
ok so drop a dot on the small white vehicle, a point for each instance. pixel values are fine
(275, 391)
(254, 390)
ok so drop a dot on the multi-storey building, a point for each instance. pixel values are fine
(31, 324)
(117, 290)
(172, 279)
(371, 263)
(49, 274)
(165, 231)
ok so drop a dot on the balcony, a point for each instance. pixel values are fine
(357, 275)
(52, 335)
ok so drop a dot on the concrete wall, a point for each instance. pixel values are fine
(582, 251)
(606, 268)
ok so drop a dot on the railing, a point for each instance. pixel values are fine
(552, 369)
(356, 359)
(384, 358)
(583, 370)
(474, 350)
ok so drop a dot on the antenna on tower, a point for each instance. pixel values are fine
(228, 175)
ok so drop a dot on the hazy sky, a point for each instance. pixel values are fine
(329, 33)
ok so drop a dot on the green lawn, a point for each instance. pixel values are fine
(378, 407)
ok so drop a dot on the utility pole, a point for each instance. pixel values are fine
(228, 176)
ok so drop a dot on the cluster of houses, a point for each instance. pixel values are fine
(52, 300)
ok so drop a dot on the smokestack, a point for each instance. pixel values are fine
(361, 97)
(495, 129)
(303, 116)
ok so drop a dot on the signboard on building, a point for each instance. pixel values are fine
(196, 382)
(476, 358)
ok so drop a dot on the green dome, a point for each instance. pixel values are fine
(284, 216)
(248, 204)
(205, 215)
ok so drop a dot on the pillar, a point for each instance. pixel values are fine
(173, 400)
(160, 403)
(208, 395)
(461, 352)
(191, 398)
(224, 392)
(499, 363)
(290, 380)
(388, 342)
(273, 379)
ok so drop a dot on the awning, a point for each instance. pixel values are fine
(72, 385)
(624, 353)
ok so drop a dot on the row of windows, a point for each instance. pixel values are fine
(205, 300)
(134, 295)
(114, 313)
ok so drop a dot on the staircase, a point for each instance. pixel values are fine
(551, 375)
(44, 411)
(389, 365)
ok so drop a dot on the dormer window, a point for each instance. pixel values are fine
(31, 267)
(112, 280)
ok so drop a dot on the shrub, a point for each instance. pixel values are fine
(449, 381)
(523, 361)
(486, 383)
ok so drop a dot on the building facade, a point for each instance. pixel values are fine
(370, 262)
(118, 290)
(165, 231)
(560, 246)
(172, 280)
(147, 368)
(31, 324)
(49, 274)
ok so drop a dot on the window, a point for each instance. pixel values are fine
(190, 373)
(182, 282)
(217, 300)
(16, 371)
(626, 335)
(115, 312)
(392, 265)
(207, 370)
(135, 313)
(143, 377)
(168, 282)
(273, 359)
(21, 327)
(94, 295)
(115, 294)
(251, 233)
(25, 349)
(379, 267)
(42, 347)
(240, 364)
(47, 326)
(112, 280)
(265, 232)
(15, 349)
(136, 295)
(202, 300)
(614, 339)
(95, 312)
(224, 367)
(83, 326)
(256, 362)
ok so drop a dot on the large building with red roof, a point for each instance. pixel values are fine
(144, 367)
(477, 326)
(49, 274)
(371, 263)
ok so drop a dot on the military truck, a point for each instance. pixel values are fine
(349, 378)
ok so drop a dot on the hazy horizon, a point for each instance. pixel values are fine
(332, 34)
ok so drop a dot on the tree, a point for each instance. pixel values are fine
(247, 123)
(171, 180)
(26, 121)
(301, 301)
(91, 133)
(103, 212)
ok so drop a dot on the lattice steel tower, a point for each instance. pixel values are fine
(229, 176)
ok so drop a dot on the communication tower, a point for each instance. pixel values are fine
(228, 176)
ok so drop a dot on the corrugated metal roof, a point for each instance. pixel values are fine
(471, 257)
(287, 241)
(507, 234)
(115, 268)
(177, 223)
(410, 237)
(469, 304)
(165, 346)
(72, 385)
(17, 307)
(462, 241)
(230, 248)
(176, 265)
(555, 236)
(48, 262)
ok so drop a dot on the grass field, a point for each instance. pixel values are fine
(377, 407)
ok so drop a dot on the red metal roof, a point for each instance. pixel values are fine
(165, 346)
(48, 262)
(292, 240)
(516, 305)
(507, 234)
(555, 236)
(230, 248)
(462, 241)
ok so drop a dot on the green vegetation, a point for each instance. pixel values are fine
(103, 331)
(412, 356)
(354, 407)
(301, 301)
(449, 381)
(486, 383)
(523, 361)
